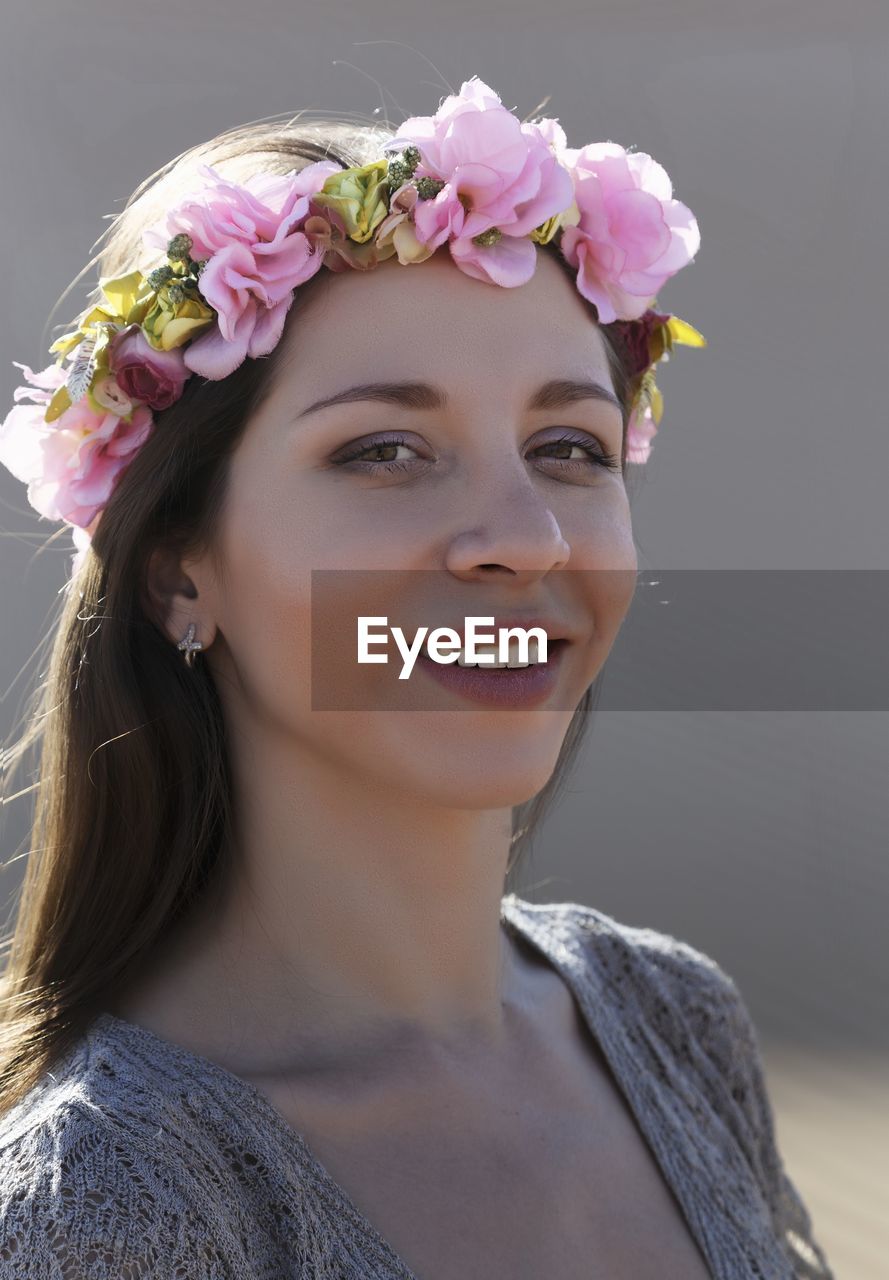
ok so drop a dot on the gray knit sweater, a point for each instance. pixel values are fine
(136, 1158)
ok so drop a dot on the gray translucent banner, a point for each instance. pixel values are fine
(680, 640)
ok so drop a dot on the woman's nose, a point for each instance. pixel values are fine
(506, 521)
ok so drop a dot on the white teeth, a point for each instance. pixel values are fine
(481, 650)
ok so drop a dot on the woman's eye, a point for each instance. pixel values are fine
(389, 446)
(593, 454)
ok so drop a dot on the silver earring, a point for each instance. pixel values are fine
(190, 645)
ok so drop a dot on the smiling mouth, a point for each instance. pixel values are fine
(518, 686)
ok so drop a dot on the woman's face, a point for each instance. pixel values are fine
(466, 509)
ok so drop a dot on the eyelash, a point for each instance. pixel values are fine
(602, 459)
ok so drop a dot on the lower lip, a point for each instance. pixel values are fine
(507, 687)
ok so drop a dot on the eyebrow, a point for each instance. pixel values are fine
(424, 395)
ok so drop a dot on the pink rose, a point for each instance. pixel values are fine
(155, 378)
(70, 465)
(632, 235)
(499, 174)
(256, 252)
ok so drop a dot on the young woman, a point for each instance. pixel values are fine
(267, 1010)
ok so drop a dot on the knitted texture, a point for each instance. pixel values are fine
(134, 1158)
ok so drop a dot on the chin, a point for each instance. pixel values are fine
(493, 783)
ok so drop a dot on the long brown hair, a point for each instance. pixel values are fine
(132, 798)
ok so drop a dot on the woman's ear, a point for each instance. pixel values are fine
(178, 592)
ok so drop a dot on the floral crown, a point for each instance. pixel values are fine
(472, 175)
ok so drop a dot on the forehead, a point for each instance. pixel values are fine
(431, 321)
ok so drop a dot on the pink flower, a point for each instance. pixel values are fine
(632, 235)
(641, 430)
(498, 173)
(70, 465)
(20, 451)
(155, 378)
(256, 256)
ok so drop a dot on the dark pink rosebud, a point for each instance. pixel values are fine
(152, 377)
(635, 335)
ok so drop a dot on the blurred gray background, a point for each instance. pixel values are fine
(758, 836)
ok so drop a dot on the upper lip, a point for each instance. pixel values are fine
(554, 628)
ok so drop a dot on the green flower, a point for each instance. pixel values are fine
(360, 197)
(178, 315)
(128, 297)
